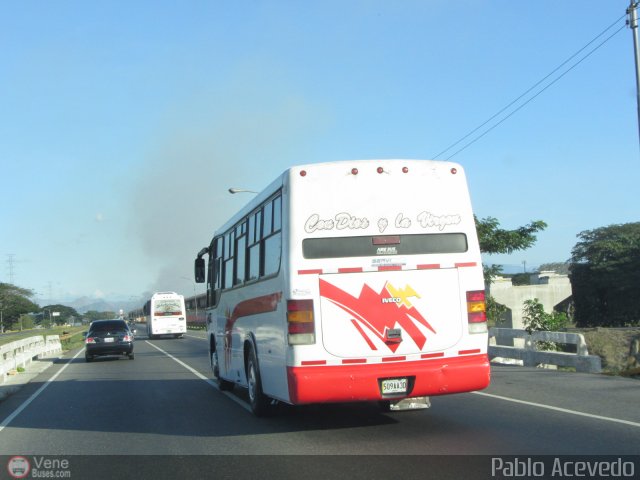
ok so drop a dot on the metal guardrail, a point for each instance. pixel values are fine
(22, 352)
(526, 349)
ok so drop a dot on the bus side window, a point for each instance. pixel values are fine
(277, 214)
(272, 238)
(267, 223)
(240, 253)
(253, 255)
(229, 260)
(215, 273)
(272, 253)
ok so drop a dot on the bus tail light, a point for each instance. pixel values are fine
(476, 312)
(300, 322)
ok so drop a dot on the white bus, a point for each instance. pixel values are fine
(349, 281)
(165, 315)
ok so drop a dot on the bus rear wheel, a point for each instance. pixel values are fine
(223, 385)
(259, 401)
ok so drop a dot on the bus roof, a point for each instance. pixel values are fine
(348, 165)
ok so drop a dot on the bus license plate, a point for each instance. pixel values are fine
(394, 385)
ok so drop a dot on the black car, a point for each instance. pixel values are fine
(108, 337)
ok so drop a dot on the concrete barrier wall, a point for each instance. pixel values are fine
(22, 352)
(511, 343)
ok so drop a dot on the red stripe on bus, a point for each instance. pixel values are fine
(350, 270)
(313, 362)
(310, 272)
(366, 337)
(467, 264)
(251, 306)
(428, 266)
(432, 355)
(349, 361)
(468, 352)
(254, 306)
(393, 359)
(389, 268)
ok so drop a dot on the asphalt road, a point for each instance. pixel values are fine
(162, 403)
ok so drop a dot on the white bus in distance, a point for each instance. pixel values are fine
(347, 282)
(165, 315)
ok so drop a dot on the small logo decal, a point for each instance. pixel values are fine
(18, 467)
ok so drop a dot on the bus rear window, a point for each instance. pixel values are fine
(372, 246)
(167, 308)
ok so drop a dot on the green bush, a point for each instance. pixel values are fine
(535, 319)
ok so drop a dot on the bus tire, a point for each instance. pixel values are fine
(259, 401)
(223, 385)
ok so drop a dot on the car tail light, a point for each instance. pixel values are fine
(476, 312)
(300, 322)
(90, 340)
(127, 338)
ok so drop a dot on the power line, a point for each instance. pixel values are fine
(532, 98)
(532, 88)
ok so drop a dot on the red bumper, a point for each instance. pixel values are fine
(354, 383)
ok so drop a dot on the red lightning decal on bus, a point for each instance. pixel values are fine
(378, 312)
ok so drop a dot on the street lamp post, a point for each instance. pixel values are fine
(234, 190)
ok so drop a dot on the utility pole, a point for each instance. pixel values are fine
(632, 11)
(10, 260)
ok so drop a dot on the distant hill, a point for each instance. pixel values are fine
(85, 304)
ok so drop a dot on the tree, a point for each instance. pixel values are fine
(14, 301)
(495, 240)
(26, 322)
(67, 314)
(605, 276)
(494, 311)
(92, 315)
(561, 268)
(521, 279)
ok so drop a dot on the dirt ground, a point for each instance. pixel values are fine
(618, 348)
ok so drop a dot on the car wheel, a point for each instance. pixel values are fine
(259, 401)
(88, 358)
(223, 385)
(131, 356)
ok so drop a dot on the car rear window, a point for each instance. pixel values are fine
(109, 326)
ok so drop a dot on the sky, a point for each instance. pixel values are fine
(123, 124)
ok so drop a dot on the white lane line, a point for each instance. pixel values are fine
(26, 403)
(202, 377)
(558, 409)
